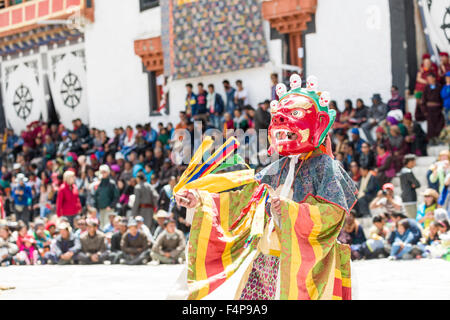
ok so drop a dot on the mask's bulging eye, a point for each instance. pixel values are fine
(297, 113)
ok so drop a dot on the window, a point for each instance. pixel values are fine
(148, 4)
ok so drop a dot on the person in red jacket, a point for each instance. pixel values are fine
(68, 201)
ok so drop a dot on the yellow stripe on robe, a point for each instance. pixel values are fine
(315, 217)
(296, 258)
(224, 222)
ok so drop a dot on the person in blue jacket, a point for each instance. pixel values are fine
(22, 197)
(445, 94)
(403, 240)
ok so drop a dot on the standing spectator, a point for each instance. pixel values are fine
(445, 95)
(106, 195)
(368, 188)
(191, 101)
(169, 246)
(93, 246)
(444, 66)
(146, 200)
(134, 245)
(262, 121)
(201, 102)
(409, 184)
(67, 201)
(240, 96)
(432, 108)
(274, 80)
(22, 197)
(66, 246)
(397, 102)
(385, 165)
(229, 92)
(426, 68)
(215, 107)
(166, 193)
(377, 113)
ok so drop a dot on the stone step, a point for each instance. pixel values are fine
(425, 161)
(434, 151)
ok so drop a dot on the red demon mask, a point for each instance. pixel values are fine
(297, 125)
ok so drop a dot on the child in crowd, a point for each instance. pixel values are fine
(28, 255)
(402, 241)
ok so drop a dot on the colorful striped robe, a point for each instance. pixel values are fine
(301, 254)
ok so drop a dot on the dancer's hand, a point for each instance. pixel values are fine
(276, 205)
(186, 199)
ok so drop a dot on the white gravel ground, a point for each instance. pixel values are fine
(373, 280)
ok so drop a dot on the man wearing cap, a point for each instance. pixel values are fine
(161, 217)
(106, 195)
(169, 246)
(377, 113)
(93, 246)
(386, 201)
(66, 246)
(22, 197)
(146, 200)
(135, 247)
(357, 141)
(144, 229)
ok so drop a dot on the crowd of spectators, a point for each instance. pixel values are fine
(79, 195)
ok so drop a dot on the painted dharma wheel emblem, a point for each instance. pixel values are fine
(446, 24)
(23, 102)
(71, 90)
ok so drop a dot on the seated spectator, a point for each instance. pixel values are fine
(161, 217)
(115, 249)
(353, 235)
(93, 246)
(111, 226)
(144, 229)
(42, 237)
(134, 245)
(357, 141)
(366, 157)
(81, 227)
(415, 228)
(386, 201)
(28, 254)
(361, 113)
(403, 241)
(368, 187)
(374, 246)
(8, 248)
(385, 165)
(397, 102)
(440, 170)
(66, 247)
(342, 139)
(445, 95)
(425, 212)
(377, 113)
(169, 246)
(409, 184)
(347, 114)
(354, 172)
(415, 138)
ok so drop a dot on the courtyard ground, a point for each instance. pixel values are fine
(375, 279)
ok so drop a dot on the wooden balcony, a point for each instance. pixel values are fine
(151, 52)
(26, 16)
(289, 16)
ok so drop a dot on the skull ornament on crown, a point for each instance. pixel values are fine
(300, 119)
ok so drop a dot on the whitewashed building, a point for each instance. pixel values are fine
(115, 62)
